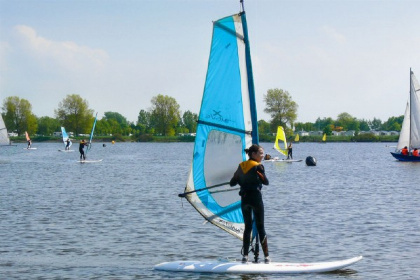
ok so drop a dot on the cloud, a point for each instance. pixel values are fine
(334, 34)
(66, 54)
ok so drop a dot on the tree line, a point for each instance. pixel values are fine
(166, 118)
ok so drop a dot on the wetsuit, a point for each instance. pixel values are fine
(82, 152)
(290, 152)
(250, 176)
(67, 145)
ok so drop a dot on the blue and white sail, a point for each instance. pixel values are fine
(91, 134)
(227, 125)
(65, 137)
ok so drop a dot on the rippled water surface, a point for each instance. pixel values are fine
(116, 219)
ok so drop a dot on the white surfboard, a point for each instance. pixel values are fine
(284, 160)
(89, 161)
(30, 148)
(254, 268)
(66, 151)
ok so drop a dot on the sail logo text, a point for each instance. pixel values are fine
(218, 116)
(230, 226)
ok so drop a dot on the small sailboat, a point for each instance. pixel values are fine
(28, 139)
(89, 146)
(4, 136)
(297, 138)
(410, 130)
(324, 138)
(66, 139)
(227, 124)
(280, 145)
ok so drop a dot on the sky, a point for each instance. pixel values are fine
(331, 56)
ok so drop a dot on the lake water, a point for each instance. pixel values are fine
(116, 219)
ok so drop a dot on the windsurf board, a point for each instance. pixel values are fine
(255, 268)
(89, 161)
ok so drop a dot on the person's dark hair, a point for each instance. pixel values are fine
(253, 149)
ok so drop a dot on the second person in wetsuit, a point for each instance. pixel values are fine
(82, 145)
(250, 176)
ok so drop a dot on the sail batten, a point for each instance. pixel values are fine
(224, 127)
(227, 125)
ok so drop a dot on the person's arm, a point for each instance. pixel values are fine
(234, 180)
(261, 174)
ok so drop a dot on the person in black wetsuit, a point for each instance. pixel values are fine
(67, 144)
(250, 176)
(290, 151)
(82, 145)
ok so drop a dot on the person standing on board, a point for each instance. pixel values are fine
(250, 176)
(82, 145)
(29, 144)
(290, 151)
(67, 144)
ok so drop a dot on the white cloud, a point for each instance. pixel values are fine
(334, 34)
(66, 54)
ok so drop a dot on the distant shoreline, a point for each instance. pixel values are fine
(170, 139)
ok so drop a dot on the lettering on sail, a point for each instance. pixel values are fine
(230, 226)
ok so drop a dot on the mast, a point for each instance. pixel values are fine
(411, 103)
(251, 89)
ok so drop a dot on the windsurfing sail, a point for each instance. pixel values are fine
(4, 137)
(280, 143)
(410, 130)
(227, 124)
(91, 134)
(324, 138)
(297, 138)
(65, 137)
(27, 136)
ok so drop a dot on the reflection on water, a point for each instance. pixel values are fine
(117, 218)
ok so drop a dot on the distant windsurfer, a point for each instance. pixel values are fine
(67, 144)
(290, 151)
(29, 143)
(250, 176)
(82, 145)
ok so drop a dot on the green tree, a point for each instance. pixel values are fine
(165, 114)
(144, 122)
(264, 127)
(321, 124)
(393, 123)
(47, 125)
(308, 126)
(281, 107)
(364, 125)
(344, 120)
(189, 120)
(118, 123)
(18, 115)
(376, 124)
(74, 114)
